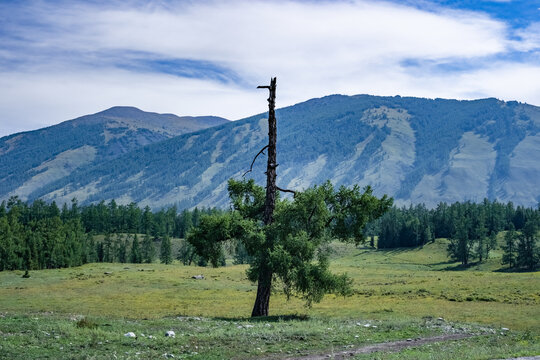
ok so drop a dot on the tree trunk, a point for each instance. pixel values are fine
(270, 203)
(262, 302)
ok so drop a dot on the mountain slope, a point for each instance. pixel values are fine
(417, 150)
(30, 160)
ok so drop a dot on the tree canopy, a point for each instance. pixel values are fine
(290, 248)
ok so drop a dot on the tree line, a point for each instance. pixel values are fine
(471, 229)
(42, 236)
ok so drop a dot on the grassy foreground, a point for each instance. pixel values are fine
(84, 312)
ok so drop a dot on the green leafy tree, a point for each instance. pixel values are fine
(165, 252)
(290, 247)
(283, 237)
(186, 253)
(241, 256)
(461, 244)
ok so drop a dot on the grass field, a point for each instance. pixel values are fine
(402, 292)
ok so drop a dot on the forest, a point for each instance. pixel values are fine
(39, 235)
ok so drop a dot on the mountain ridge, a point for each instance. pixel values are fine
(32, 159)
(417, 150)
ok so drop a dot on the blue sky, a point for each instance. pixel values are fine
(63, 59)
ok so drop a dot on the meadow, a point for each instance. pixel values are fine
(84, 312)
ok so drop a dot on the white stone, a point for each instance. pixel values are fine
(130, 334)
(170, 333)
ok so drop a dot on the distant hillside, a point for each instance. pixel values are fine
(417, 150)
(31, 160)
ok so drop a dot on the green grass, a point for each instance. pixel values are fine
(403, 292)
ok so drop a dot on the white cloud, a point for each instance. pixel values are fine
(315, 49)
(529, 38)
(60, 96)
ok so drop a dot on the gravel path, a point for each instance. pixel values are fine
(393, 346)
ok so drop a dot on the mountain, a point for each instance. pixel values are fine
(416, 150)
(31, 160)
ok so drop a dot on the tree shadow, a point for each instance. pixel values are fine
(459, 267)
(514, 270)
(267, 319)
(389, 251)
(448, 262)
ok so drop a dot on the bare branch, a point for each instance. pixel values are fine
(286, 190)
(255, 158)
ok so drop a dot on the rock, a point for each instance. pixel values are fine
(409, 339)
(198, 277)
(130, 335)
(108, 272)
(170, 333)
(367, 325)
(505, 329)
(440, 319)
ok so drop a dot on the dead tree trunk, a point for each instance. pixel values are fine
(262, 302)
(271, 189)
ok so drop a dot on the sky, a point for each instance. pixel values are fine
(63, 59)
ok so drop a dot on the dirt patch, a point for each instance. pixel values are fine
(393, 346)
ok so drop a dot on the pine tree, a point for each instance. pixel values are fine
(186, 223)
(7, 248)
(121, 249)
(148, 249)
(479, 235)
(91, 248)
(165, 253)
(108, 253)
(491, 243)
(509, 247)
(287, 249)
(460, 247)
(147, 220)
(135, 255)
(527, 252)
